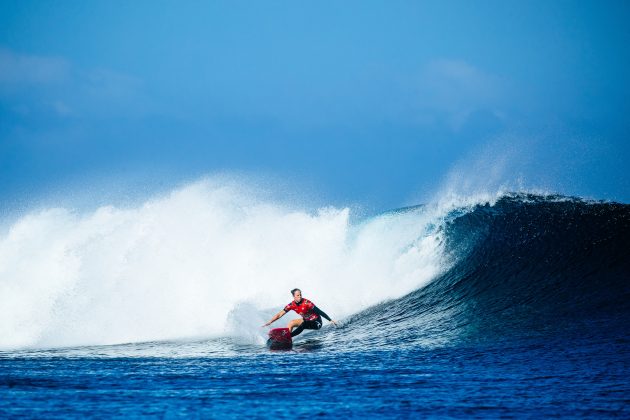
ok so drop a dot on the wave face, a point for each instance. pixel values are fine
(526, 266)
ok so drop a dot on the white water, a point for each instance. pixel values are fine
(209, 259)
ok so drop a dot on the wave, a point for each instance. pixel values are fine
(526, 265)
(217, 259)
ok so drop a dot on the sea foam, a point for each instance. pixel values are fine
(208, 259)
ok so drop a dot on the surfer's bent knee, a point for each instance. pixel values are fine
(295, 323)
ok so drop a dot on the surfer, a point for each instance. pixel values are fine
(311, 314)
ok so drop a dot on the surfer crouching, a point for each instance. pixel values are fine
(311, 314)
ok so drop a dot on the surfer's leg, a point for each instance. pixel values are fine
(295, 323)
(298, 330)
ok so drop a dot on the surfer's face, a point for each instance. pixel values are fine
(297, 296)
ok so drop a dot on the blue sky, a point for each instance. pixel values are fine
(362, 101)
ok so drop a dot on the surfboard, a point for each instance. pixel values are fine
(279, 339)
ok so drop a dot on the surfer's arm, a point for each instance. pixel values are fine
(323, 315)
(276, 317)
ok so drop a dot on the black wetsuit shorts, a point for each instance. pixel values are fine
(315, 324)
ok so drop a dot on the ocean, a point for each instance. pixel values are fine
(502, 305)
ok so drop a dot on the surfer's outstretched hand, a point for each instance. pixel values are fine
(332, 321)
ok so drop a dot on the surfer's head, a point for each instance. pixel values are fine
(297, 295)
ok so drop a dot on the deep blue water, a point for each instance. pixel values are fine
(529, 379)
(532, 320)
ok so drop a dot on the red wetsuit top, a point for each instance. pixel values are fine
(306, 309)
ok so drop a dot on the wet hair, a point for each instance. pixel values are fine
(295, 290)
